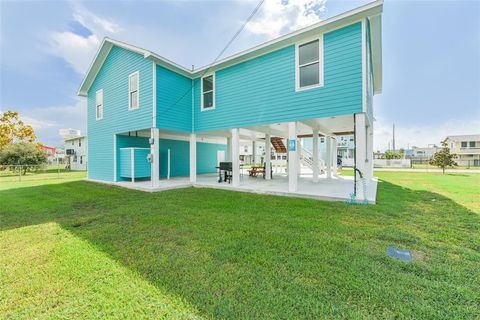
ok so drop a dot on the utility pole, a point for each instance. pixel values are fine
(393, 142)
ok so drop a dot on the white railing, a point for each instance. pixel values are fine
(306, 158)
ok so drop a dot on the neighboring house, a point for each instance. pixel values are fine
(421, 153)
(346, 147)
(76, 153)
(150, 118)
(467, 149)
(51, 153)
(252, 152)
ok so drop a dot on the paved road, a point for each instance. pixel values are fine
(429, 170)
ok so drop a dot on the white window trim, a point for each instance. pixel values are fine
(138, 91)
(213, 91)
(96, 105)
(320, 64)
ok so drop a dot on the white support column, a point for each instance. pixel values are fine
(299, 155)
(155, 150)
(369, 163)
(360, 149)
(254, 152)
(235, 157)
(328, 159)
(335, 155)
(316, 156)
(193, 158)
(228, 156)
(268, 157)
(115, 158)
(292, 157)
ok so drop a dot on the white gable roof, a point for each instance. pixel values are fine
(372, 11)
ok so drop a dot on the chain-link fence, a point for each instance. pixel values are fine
(18, 173)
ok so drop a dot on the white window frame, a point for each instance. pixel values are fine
(320, 63)
(213, 92)
(97, 105)
(130, 92)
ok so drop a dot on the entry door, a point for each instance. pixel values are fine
(220, 156)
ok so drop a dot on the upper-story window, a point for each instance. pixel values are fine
(208, 92)
(98, 105)
(464, 144)
(471, 144)
(309, 58)
(79, 143)
(133, 91)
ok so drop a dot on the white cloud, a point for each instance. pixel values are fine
(279, 16)
(79, 50)
(47, 121)
(421, 136)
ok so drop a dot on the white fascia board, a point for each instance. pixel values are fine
(164, 62)
(95, 66)
(376, 51)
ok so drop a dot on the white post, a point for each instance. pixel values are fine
(292, 157)
(193, 158)
(299, 155)
(369, 163)
(132, 164)
(229, 150)
(268, 157)
(235, 157)
(168, 164)
(335, 155)
(254, 152)
(328, 159)
(156, 157)
(360, 149)
(316, 165)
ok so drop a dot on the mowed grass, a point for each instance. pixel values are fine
(80, 250)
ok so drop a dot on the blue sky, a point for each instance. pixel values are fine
(431, 55)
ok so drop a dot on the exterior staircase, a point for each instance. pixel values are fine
(306, 159)
(278, 145)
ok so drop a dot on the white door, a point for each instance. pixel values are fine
(220, 156)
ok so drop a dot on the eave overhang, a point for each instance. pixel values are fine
(371, 11)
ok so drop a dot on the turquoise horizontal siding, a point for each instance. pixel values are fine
(262, 90)
(180, 157)
(207, 156)
(125, 163)
(142, 165)
(113, 79)
(174, 100)
(129, 142)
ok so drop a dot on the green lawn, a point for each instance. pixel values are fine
(79, 250)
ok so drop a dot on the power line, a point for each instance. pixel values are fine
(219, 55)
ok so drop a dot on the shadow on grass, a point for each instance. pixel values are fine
(240, 255)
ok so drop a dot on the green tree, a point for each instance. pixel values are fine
(12, 129)
(443, 158)
(392, 155)
(26, 154)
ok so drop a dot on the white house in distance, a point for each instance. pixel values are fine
(75, 145)
(422, 153)
(467, 149)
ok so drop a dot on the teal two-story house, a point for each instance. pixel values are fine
(150, 119)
